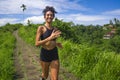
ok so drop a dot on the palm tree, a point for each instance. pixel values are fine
(23, 9)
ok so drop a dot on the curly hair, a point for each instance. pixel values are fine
(48, 8)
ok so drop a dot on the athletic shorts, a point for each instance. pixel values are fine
(49, 55)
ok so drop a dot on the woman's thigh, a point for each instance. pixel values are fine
(45, 68)
(54, 68)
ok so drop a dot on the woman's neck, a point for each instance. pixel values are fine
(48, 25)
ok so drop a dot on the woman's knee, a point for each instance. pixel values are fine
(45, 75)
(55, 64)
(54, 78)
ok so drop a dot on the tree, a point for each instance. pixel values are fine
(23, 9)
(115, 44)
(117, 22)
(111, 22)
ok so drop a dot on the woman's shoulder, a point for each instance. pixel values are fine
(40, 28)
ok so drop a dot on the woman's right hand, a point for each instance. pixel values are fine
(55, 34)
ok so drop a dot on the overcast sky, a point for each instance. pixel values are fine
(78, 11)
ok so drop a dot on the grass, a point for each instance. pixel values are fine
(90, 63)
(7, 44)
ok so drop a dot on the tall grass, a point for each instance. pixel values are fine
(28, 34)
(90, 63)
(7, 44)
(107, 68)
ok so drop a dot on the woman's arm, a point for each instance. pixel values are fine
(59, 45)
(39, 42)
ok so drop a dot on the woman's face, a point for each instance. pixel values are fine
(49, 16)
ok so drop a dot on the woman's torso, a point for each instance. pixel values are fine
(46, 33)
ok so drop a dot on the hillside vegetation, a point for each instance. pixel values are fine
(7, 45)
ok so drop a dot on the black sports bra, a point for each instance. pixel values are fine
(47, 33)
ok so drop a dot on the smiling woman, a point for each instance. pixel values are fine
(46, 37)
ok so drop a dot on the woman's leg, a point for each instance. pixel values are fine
(54, 68)
(45, 69)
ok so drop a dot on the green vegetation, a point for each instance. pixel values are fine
(90, 63)
(6, 56)
(7, 45)
(28, 33)
(85, 53)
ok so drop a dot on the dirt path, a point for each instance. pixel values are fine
(27, 62)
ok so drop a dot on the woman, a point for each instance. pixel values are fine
(46, 37)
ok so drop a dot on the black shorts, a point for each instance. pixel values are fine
(49, 55)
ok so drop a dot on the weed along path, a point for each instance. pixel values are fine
(27, 62)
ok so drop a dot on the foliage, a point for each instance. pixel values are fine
(28, 33)
(7, 44)
(10, 27)
(66, 28)
(115, 44)
(89, 63)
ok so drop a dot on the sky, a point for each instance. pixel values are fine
(86, 12)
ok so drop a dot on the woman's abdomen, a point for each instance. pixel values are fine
(49, 45)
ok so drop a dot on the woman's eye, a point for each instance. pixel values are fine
(49, 15)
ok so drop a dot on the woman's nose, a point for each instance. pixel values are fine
(49, 16)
